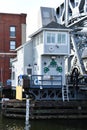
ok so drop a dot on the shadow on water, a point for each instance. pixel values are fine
(59, 124)
(63, 124)
(11, 124)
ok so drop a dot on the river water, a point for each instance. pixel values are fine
(19, 124)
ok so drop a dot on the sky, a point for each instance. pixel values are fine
(30, 7)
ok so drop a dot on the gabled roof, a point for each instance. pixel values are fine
(55, 25)
(51, 26)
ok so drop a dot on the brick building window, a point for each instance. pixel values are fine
(12, 45)
(12, 31)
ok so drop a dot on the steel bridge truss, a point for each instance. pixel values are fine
(46, 94)
(55, 92)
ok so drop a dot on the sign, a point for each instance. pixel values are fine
(19, 92)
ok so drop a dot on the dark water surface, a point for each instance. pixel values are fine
(18, 124)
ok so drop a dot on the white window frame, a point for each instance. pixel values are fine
(12, 45)
(61, 40)
(39, 39)
(51, 38)
(12, 31)
(55, 34)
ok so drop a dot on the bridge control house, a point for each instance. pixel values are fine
(43, 59)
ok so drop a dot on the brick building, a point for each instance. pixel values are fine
(12, 35)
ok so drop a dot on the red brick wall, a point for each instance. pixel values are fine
(7, 20)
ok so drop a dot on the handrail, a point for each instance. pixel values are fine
(53, 81)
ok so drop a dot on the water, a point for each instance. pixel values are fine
(18, 124)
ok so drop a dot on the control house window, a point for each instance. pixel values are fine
(50, 38)
(61, 38)
(12, 45)
(12, 31)
(56, 38)
(38, 39)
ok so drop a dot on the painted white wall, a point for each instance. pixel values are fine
(60, 60)
(18, 66)
(17, 69)
(28, 53)
(24, 58)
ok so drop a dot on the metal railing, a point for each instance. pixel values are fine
(80, 81)
(41, 81)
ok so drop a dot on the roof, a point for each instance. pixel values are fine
(55, 25)
(51, 26)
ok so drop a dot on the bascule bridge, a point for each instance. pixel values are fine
(73, 14)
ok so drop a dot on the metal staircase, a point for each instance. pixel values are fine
(65, 93)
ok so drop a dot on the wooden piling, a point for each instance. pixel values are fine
(45, 109)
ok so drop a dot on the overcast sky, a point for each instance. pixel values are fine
(30, 7)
